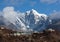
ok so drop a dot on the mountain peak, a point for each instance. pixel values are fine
(34, 11)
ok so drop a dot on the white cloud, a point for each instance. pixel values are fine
(48, 1)
(1, 13)
(10, 14)
(55, 15)
(14, 2)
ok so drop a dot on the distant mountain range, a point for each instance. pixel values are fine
(55, 24)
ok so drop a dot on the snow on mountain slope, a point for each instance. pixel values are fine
(29, 21)
(35, 20)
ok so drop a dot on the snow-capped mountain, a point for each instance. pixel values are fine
(35, 20)
(29, 21)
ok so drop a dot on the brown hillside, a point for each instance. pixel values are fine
(45, 36)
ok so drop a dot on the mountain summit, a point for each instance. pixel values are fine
(28, 21)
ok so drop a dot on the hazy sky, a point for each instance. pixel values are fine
(42, 6)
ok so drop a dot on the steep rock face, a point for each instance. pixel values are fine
(29, 21)
(36, 20)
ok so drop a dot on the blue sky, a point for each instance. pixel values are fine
(42, 6)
